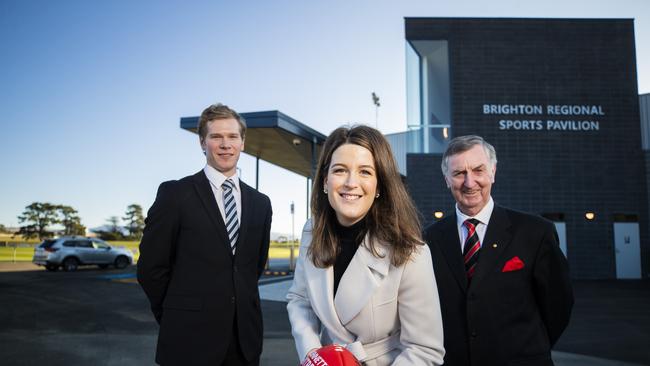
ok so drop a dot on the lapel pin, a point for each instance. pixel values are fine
(494, 245)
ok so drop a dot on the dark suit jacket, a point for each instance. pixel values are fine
(196, 287)
(503, 318)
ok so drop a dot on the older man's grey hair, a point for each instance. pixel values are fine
(461, 144)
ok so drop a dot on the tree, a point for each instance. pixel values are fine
(3, 229)
(38, 216)
(134, 221)
(114, 231)
(70, 220)
(115, 224)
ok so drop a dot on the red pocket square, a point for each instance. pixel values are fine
(514, 264)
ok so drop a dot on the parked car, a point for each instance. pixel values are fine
(70, 252)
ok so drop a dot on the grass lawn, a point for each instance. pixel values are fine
(20, 254)
(281, 252)
(24, 251)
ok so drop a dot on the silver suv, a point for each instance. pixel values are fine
(69, 252)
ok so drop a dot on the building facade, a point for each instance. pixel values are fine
(558, 99)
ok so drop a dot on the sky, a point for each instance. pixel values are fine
(91, 92)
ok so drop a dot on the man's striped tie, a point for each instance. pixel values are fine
(230, 210)
(471, 247)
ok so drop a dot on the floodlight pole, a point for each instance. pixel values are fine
(375, 101)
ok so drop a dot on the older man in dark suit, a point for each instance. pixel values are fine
(204, 248)
(503, 282)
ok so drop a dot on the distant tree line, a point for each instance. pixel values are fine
(132, 230)
(39, 217)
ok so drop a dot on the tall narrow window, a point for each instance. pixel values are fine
(428, 95)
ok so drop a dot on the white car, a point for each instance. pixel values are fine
(69, 252)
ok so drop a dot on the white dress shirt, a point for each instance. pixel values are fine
(483, 217)
(216, 179)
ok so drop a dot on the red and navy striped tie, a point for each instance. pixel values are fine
(471, 247)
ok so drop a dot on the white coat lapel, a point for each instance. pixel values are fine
(321, 288)
(360, 280)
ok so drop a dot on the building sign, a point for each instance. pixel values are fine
(538, 117)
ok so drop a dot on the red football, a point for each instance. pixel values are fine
(332, 355)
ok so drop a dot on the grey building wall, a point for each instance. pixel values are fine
(403, 143)
(427, 186)
(645, 249)
(399, 144)
(644, 112)
(567, 172)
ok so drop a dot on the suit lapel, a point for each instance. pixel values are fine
(450, 246)
(203, 189)
(360, 280)
(495, 242)
(246, 213)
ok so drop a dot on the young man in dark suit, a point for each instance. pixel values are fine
(504, 286)
(204, 248)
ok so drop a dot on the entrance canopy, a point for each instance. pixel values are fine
(277, 138)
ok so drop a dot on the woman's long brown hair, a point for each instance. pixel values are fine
(392, 218)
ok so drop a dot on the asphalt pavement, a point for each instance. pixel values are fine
(97, 317)
(101, 317)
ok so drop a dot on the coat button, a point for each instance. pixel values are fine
(232, 299)
(473, 335)
(234, 268)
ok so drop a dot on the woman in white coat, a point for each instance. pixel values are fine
(363, 278)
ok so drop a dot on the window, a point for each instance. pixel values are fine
(100, 245)
(428, 95)
(47, 243)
